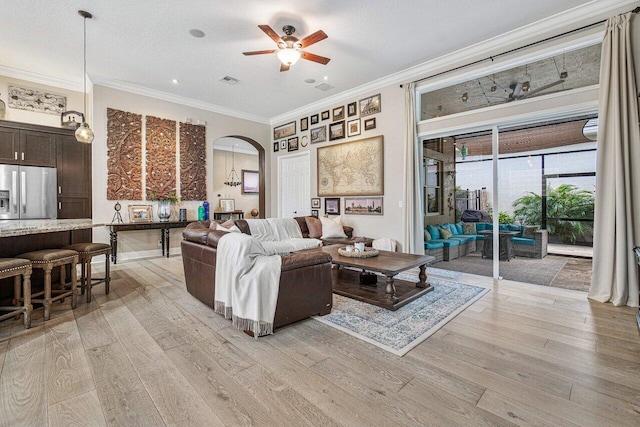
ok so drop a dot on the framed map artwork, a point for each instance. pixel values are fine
(353, 168)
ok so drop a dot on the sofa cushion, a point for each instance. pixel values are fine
(459, 227)
(453, 228)
(427, 236)
(332, 228)
(523, 241)
(433, 245)
(468, 237)
(302, 222)
(434, 231)
(513, 227)
(463, 239)
(529, 231)
(469, 228)
(483, 226)
(447, 242)
(503, 227)
(314, 225)
(445, 233)
(304, 258)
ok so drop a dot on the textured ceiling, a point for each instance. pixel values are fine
(147, 42)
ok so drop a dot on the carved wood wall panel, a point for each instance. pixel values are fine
(161, 156)
(124, 155)
(193, 167)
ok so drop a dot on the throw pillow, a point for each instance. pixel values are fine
(454, 229)
(213, 225)
(445, 233)
(332, 228)
(529, 231)
(469, 228)
(228, 223)
(315, 227)
(434, 231)
(459, 227)
(427, 236)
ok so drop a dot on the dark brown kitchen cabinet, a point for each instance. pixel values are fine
(73, 162)
(37, 148)
(9, 146)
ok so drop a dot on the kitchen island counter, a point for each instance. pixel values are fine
(12, 228)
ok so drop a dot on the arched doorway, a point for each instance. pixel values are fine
(260, 166)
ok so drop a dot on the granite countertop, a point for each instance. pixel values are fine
(14, 227)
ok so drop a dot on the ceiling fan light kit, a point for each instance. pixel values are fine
(289, 49)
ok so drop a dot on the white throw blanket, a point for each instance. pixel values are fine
(247, 283)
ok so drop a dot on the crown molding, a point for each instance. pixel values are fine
(568, 20)
(235, 150)
(176, 99)
(16, 73)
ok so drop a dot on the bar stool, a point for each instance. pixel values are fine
(47, 260)
(16, 267)
(86, 252)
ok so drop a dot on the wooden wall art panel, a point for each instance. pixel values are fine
(193, 164)
(161, 157)
(124, 155)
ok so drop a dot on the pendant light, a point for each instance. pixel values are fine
(233, 180)
(84, 132)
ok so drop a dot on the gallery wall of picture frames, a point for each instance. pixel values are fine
(343, 121)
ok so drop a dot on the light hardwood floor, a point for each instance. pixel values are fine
(150, 354)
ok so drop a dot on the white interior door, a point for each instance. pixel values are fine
(294, 185)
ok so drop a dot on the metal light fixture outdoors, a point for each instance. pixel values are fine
(233, 180)
(84, 132)
(465, 97)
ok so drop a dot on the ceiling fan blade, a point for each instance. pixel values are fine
(284, 67)
(260, 52)
(541, 88)
(315, 58)
(312, 38)
(272, 34)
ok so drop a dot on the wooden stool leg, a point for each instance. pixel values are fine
(28, 308)
(83, 277)
(74, 284)
(47, 292)
(16, 290)
(63, 279)
(107, 273)
(88, 280)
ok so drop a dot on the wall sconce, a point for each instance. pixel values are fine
(465, 97)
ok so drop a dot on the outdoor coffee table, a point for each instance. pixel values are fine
(388, 293)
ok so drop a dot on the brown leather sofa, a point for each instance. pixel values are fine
(305, 279)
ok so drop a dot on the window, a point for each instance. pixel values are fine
(432, 186)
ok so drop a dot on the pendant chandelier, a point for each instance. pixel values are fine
(233, 180)
(84, 132)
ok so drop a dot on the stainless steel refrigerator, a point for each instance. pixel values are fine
(27, 192)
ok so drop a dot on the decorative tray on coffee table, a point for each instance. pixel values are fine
(368, 253)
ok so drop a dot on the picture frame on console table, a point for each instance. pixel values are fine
(140, 213)
(332, 205)
(227, 205)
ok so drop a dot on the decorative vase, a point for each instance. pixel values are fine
(164, 210)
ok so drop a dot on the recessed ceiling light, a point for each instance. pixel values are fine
(326, 78)
(175, 81)
(196, 33)
(310, 81)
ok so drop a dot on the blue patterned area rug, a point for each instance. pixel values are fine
(399, 331)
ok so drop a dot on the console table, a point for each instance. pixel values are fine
(164, 228)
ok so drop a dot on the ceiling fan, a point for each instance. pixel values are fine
(290, 48)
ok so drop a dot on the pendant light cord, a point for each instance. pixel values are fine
(84, 74)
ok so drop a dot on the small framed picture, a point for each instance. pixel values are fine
(352, 109)
(314, 213)
(338, 113)
(276, 146)
(314, 119)
(227, 205)
(325, 115)
(283, 144)
(318, 134)
(304, 124)
(315, 203)
(353, 127)
(370, 123)
(336, 130)
(332, 205)
(250, 182)
(363, 206)
(293, 144)
(284, 130)
(370, 105)
(140, 213)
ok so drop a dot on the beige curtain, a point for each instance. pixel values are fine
(413, 220)
(617, 214)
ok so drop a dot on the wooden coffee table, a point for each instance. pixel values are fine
(393, 293)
